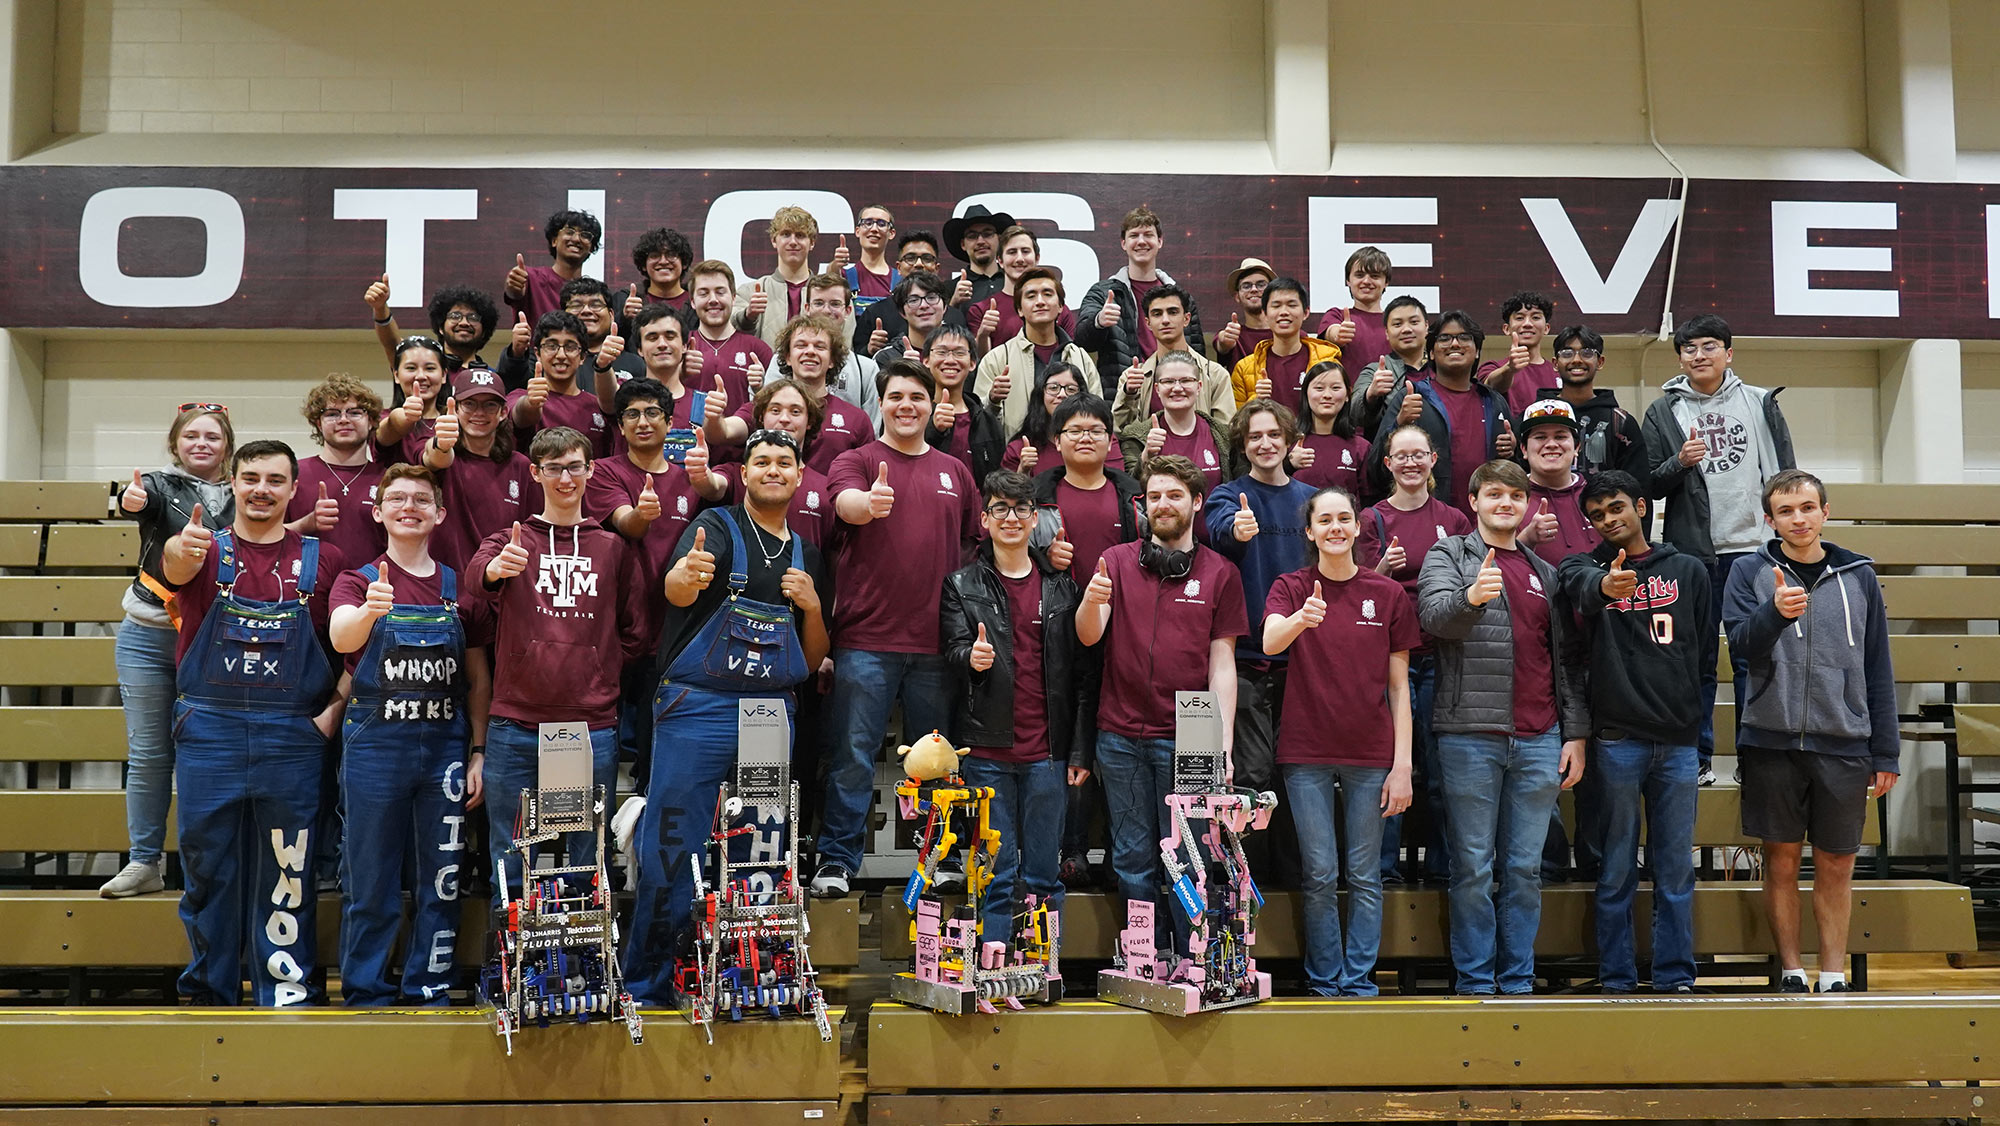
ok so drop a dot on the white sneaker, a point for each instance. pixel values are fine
(830, 882)
(136, 878)
(1706, 777)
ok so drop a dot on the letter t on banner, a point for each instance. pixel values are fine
(405, 211)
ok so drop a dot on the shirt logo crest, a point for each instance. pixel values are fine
(1440, 531)
(944, 479)
(681, 505)
(1368, 608)
(812, 498)
(837, 421)
(1347, 457)
(513, 490)
(1208, 457)
(1192, 589)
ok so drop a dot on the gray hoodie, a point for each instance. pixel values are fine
(1716, 507)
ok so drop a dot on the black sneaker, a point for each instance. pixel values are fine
(1706, 778)
(1842, 986)
(950, 876)
(830, 882)
(1790, 984)
(1682, 990)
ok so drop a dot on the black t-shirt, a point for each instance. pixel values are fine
(681, 625)
(1808, 573)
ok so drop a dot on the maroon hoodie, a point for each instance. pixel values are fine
(565, 626)
(1576, 534)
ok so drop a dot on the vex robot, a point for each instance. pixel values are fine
(956, 969)
(1212, 887)
(750, 916)
(557, 945)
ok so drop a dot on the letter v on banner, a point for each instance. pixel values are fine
(1614, 292)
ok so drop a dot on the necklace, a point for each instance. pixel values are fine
(772, 555)
(348, 483)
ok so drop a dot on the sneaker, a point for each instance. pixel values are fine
(1706, 777)
(1681, 990)
(136, 878)
(950, 876)
(1837, 987)
(830, 882)
(1792, 985)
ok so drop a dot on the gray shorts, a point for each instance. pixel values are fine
(1791, 796)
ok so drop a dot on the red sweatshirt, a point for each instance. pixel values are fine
(565, 626)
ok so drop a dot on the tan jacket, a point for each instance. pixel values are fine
(1017, 358)
(777, 300)
(1216, 399)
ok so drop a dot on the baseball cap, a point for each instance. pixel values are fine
(476, 381)
(1542, 412)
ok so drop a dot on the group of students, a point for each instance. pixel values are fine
(1408, 576)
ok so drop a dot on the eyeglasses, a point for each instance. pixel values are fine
(1017, 511)
(355, 413)
(1059, 390)
(1417, 457)
(1576, 353)
(480, 404)
(458, 316)
(588, 305)
(919, 259)
(1454, 338)
(567, 469)
(650, 414)
(1080, 434)
(218, 407)
(924, 298)
(562, 347)
(407, 500)
(1704, 348)
(864, 224)
(1182, 381)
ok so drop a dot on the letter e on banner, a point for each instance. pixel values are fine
(1793, 258)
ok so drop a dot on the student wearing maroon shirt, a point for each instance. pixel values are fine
(1359, 328)
(257, 705)
(909, 511)
(419, 369)
(1094, 505)
(1524, 375)
(1247, 327)
(552, 398)
(343, 413)
(829, 296)
(871, 278)
(1276, 368)
(564, 593)
(463, 318)
(1110, 322)
(1511, 717)
(1468, 422)
(1329, 451)
(916, 252)
(1023, 695)
(784, 405)
(1397, 534)
(589, 301)
(719, 353)
(920, 296)
(809, 348)
(1556, 527)
(1168, 611)
(1010, 372)
(961, 426)
(1034, 446)
(421, 685)
(487, 483)
(663, 333)
(661, 257)
(1179, 428)
(1348, 633)
(1167, 311)
(1408, 326)
(763, 305)
(535, 291)
(997, 319)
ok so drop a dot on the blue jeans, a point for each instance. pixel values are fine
(512, 765)
(1137, 775)
(866, 685)
(1028, 801)
(402, 797)
(1423, 747)
(1334, 970)
(1662, 775)
(1718, 578)
(1500, 790)
(249, 807)
(145, 659)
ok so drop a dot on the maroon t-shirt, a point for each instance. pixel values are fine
(411, 590)
(868, 283)
(1340, 668)
(959, 443)
(842, 427)
(1198, 446)
(1157, 643)
(1048, 456)
(1370, 343)
(1286, 373)
(1336, 461)
(1467, 412)
(544, 293)
(480, 498)
(811, 512)
(357, 535)
(616, 482)
(1574, 533)
(1031, 702)
(1247, 340)
(1534, 661)
(265, 572)
(1140, 289)
(1090, 520)
(1415, 531)
(1010, 317)
(890, 572)
(1538, 380)
(731, 360)
(795, 297)
(580, 412)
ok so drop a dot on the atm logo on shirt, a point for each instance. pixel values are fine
(1655, 593)
(566, 578)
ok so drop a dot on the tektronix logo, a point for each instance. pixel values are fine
(566, 578)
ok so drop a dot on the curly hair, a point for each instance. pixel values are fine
(335, 388)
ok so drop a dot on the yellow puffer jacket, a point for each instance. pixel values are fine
(1250, 368)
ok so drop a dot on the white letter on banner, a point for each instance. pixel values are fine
(1792, 294)
(106, 283)
(722, 235)
(1615, 292)
(1327, 257)
(404, 211)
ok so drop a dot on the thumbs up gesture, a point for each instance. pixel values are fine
(1156, 440)
(1062, 553)
(517, 278)
(1488, 585)
(1031, 458)
(522, 336)
(1098, 593)
(377, 298)
(1384, 379)
(1003, 386)
(648, 504)
(1543, 526)
(758, 301)
(982, 651)
(1619, 583)
(1111, 314)
(1244, 528)
(1343, 333)
(989, 322)
(696, 462)
(1262, 389)
(1503, 446)
(326, 511)
(1413, 405)
(445, 436)
(1791, 599)
(381, 596)
(635, 298)
(882, 497)
(1518, 355)
(714, 405)
(133, 497)
(1313, 612)
(412, 410)
(699, 563)
(609, 351)
(943, 415)
(1230, 334)
(878, 337)
(962, 292)
(1134, 379)
(512, 560)
(1394, 558)
(691, 364)
(1695, 450)
(1303, 456)
(841, 257)
(538, 387)
(195, 537)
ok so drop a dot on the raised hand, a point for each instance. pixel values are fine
(1693, 451)
(134, 496)
(1098, 593)
(1230, 334)
(538, 387)
(882, 497)
(1156, 440)
(635, 301)
(1791, 600)
(445, 436)
(609, 351)
(381, 596)
(982, 651)
(517, 278)
(1618, 583)
(195, 537)
(1062, 553)
(1313, 612)
(1134, 379)
(758, 302)
(377, 298)
(989, 322)
(943, 415)
(1111, 314)
(1543, 525)
(1303, 456)
(1384, 379)
(1263, 388)
(841, 257)
(412, 410)
(648, 504)
(1413, 406)
(699, 563)
(1031, 457)
(1003, 386)
(798, 586)
(1503, 446)
(522, 336)
(691, 365)
(326, 511)
(1518, 355)
(1489, 585)
(1343, 333)
(1394, 558)
(962, 292)
(695, 464)
(1244, 528)
(512, 560)
(878, 337)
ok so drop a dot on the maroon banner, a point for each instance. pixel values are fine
(294, 248)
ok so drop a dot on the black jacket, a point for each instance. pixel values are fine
(171, 495)
(1129, 490)
(1611, 439)
(982, 705)
(1117, 347)
(1646, 652)
(987, 443)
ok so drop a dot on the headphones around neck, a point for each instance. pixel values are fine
(1169, 563)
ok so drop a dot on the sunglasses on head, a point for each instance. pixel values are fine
(217, 407)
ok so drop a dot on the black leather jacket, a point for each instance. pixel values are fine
(982, 706)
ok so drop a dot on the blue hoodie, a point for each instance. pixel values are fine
(1821, 683)
(1279, 547)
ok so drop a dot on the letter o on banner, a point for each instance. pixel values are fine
(97, 247)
